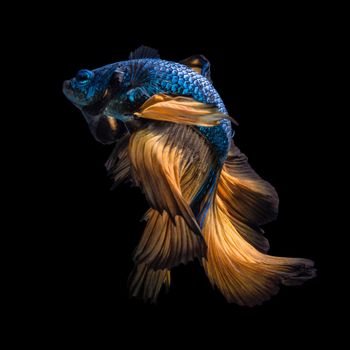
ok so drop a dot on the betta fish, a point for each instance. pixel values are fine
(174, 139)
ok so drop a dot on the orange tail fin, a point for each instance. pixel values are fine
(146, 283)
(242, 273)
(170, 162)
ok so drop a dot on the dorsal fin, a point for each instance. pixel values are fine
(199, 64)
(143, 52)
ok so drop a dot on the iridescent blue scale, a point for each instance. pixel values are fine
(177, 79)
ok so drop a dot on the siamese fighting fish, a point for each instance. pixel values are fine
(174, 139)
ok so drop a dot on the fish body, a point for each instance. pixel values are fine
(173, 139)
(143, 78)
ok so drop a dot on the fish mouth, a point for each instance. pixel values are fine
(67, 89)
(69, 93)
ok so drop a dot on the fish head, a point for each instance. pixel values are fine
(90, 88)
(91, 91)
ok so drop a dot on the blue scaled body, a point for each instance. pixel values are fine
(177, 79)
(141, 79)
(119, 89)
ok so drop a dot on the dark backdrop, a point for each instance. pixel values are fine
(268, 74)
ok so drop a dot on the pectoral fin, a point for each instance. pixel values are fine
(180, 109)
(104, 128)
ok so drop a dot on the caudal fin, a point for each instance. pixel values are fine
(170, 162)
(145, 283)
(236, 262)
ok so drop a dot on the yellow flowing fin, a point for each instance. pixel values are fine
(118, 163)
(164, 244)
(254, 198)
(180, 109)
(250, 201)
(242, 273)
(159, 155)
(167, 157)
(146, 283)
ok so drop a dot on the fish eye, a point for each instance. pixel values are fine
(84, 76)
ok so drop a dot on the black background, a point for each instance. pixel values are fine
(270, 72)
